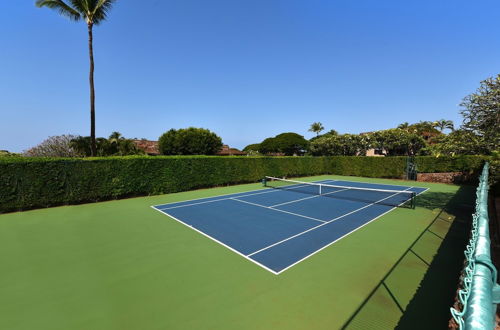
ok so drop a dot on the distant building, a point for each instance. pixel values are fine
(149, 147)
(374, 152)
(227, 151)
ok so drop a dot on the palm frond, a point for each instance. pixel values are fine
(82, 6)
(101, 10)
(63, 8)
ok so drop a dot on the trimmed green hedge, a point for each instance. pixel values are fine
(372, 167)
(27, 183)
(470, 164)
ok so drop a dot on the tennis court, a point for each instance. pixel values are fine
(123, 265)
(289, 221)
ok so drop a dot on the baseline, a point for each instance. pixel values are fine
(217, 241)
(301, 240)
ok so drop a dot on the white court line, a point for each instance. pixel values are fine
(260, 191)
(278, 210)
(325, 223)
(351, 187)
(352, 231)
(303, 199)
(383, 184)
(295, 200)
(215, 240)
(214, 200)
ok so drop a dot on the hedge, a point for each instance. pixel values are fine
(27, 183)
(470, 164)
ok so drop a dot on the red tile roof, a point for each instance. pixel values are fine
(227, 151)
(150, 147)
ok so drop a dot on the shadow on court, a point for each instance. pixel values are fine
(419, 289)
(452, 202)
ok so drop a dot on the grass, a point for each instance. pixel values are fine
(122, 265)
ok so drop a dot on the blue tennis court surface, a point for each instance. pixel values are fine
(278, 228)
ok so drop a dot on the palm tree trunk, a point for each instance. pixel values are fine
(93, 146)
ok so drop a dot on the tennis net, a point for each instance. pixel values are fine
(396, 198)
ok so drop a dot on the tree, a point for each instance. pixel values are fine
(252, 147)
(340, 145)
(83, 146)
(54, 146)
(269, 146)
(189, 141)
(115, 137)
(444, 124)
(115, 145)
(329, 133)
(404, 125)
(128, 147)
(316, 128)
(481, 112)
(288, 144)
(397, 142)
(94, 12)
(459, 142)
(120, 146)
(426, 130)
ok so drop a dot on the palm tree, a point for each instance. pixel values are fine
(128, 147)
(94, 12)
(115, 137)
(316, 128)
(444, 124)
(404, 125)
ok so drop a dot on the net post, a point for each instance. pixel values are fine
(264, 182)
(413, 200)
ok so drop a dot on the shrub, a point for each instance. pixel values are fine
(40, 182)
(495, 175)
(27, 183)
(470, 164)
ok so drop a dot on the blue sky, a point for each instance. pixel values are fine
(245, 69)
